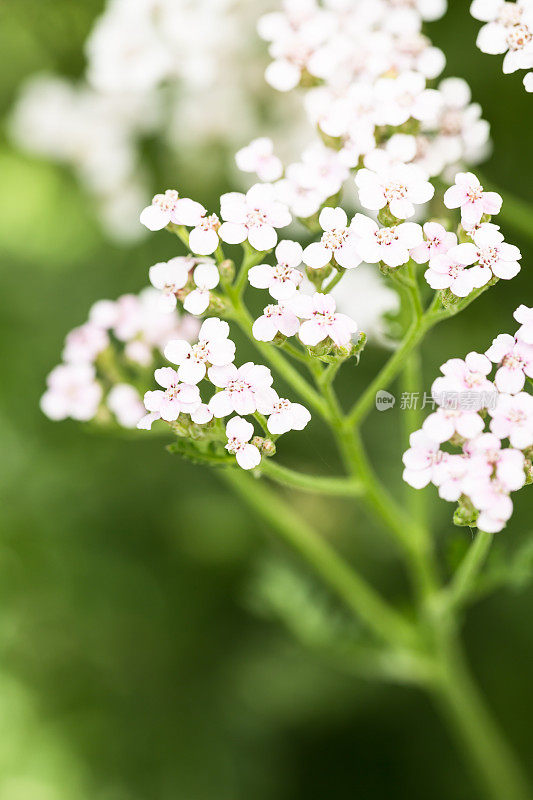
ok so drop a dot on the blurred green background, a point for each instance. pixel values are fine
(136, 662)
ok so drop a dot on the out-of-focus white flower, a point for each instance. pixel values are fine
(72, 391)
(253, 216)
(258, 157)
(126, 404)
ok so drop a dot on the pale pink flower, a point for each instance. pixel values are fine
(322, 321)
(177, 398)
(244, 390)
(491, 497)
(390, 245)
(421, 460)
(239, 433)
(203, 239)
(275, 319)
(488, 457)
(259, 157)
(213, 348)
(83, 344)
(206, 277)
(126, 404)
(283, 279)
(464, 383)
(169, 207)
(72, 391)
(337, 242)
(449, 271)
(512, 418)
(253, 216)
(524, 315)
(299, 191)
(495, 256)
(285, 416)
(468, 194)
(515, 359)
(449, 475)
(437, 241)
(404, 97)
(169, 277)
(445, 422)
(399, 187)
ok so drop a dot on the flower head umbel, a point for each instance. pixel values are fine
(253, 216)
(468, 194)
(213, 348)
(239, 433)
(283, 279)
(337, 241)
(285, 416)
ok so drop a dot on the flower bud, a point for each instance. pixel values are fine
(386, 218)
(465, 514)
(318, 276)
(227, 270)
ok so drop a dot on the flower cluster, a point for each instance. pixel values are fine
(105, 361)
(454, 450)
(244, 391)
(508, 29)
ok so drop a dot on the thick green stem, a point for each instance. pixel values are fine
(463, 707)
(367, 605)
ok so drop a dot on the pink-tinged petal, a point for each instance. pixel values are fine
(166, 376)
(145, 424)
(464, 254)
(260, 277)
(221, 376)
(289, 324)
(418, 479)
(410, 234)
(221, 404)
(437, 280)
(492, 203)
(501, 346)
(333, 219)
(439, 427)
(396, 256)
(203, 243)
(469, 425)
(455, 196)
(478, 362)
(479, 276)
(506, 269)
(282, 290)
(240, 429)
(197, 301)
(177, 351)
(244, 402)
(233, 233)
(311, 333)
(169, 409)
(402, 209)
(348, 256)
(263, 237)
(421, 254)
(489, 524)
(248, 457)
(264, 329)
(289, 252)
(509, 252)
(187, 212)
(265, 400)
(258, 375)
(510, 469)
(154, 218)
(316, 255)
(202, 414)
(213, 328)
(191, 372)
(166, 303)
(471, 214)
(152, 400)
(222, 352)
(462, 285)
(282, 75)
(510, 381)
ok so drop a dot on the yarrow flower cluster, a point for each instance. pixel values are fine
(476, 448)
(508, 30)
(105, 360)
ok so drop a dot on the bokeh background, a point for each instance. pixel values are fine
(144, 651)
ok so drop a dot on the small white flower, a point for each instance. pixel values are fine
(391, 245)
(337, 242)
(169, 404)
(239, 433)
(213, 348)
(126, 404)
(468, 194)
(495, 256)
(253, 216)
(203, 239)
(72, 391)
(437, 241)
(83, 344)
(286, 416)
(206, 277)
(259, 157)
(323, 321)
(512, 419)
(275, 319)
(398, 187)
(169, 207)
(283, 279)
(244, 390)
(169, 277)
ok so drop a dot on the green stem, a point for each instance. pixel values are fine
(361, 598)
(335, 280)
(336, 487)
(464, 708)
(464, 579)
